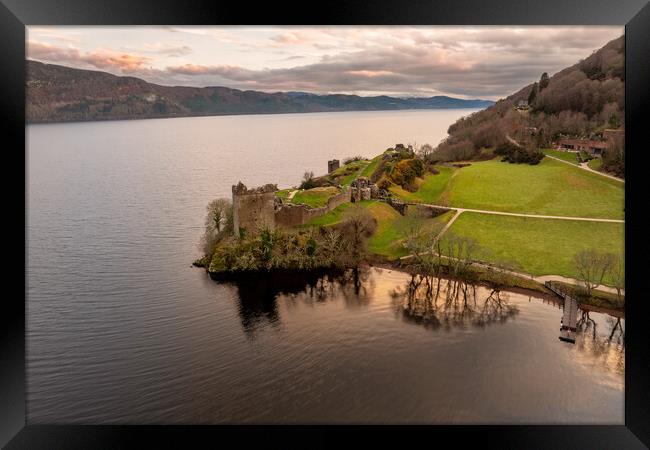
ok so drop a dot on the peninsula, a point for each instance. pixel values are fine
(406, 210)
(527, 192)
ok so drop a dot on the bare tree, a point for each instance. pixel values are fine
(357, 226)
(423, 245)
(219, 213)
(307, 181)
(592, 267)
(218, 223)
(460, 252)
(425, 152)
(618, 277)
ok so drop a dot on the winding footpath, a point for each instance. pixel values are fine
(543, 278)
(503, 213)
(584, 166)
(540, 279)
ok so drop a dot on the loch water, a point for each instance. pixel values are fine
(122, 329)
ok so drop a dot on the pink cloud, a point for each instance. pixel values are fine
(101, 59)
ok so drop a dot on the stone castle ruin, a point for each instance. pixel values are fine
(362, 189)
(258, 208)
(333, 165)
(290, 215)
(253, 209)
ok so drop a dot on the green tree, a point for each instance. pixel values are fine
(614, 120)
(533, 94)
(543, 81)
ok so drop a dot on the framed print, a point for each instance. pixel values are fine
(261, 222)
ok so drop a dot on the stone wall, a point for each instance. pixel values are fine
(363, 189)
(290, 215)
(253, 209)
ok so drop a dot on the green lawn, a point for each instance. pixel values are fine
(350, 172)
(538, 246)
(370, 168)
(595, 164)
(315, 197)
(551, 187)
(391, 226)
(430, 189)
(332, 217)
(283, 193)
(566, 156)
(391, 230)
(384, 240)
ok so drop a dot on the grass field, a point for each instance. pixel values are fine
(350, 172)
(551, 188)
(538, 246)
(283, 193)
(315, 197)
(370, 168)
(332, 217)
(595, 164)
(385, 239)
(391, 226)
(565, 156)
(431, 188)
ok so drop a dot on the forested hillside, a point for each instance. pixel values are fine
(60, 94)
(579, 101)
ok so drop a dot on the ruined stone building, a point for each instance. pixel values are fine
(253, 209)
(333, 165)
(363, 189)
(258, 208)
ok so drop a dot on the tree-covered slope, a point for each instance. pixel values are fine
(58, 94)
(580, 101)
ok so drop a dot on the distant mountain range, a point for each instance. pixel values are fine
(63, 94)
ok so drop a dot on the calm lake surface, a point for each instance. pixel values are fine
(121, 328)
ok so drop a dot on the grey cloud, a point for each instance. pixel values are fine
(388, 70)
(486, 62)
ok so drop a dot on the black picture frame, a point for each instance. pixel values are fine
(16, 14)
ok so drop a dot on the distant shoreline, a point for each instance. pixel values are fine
(125, 119)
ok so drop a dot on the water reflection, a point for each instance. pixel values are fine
(258, 296)
(437, 303)
(601, 341)
(434, 303)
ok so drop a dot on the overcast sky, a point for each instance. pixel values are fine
(468, 62)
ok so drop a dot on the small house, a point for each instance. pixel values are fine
(522, 104)
(591, 146)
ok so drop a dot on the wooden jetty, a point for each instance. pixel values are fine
(570, 316)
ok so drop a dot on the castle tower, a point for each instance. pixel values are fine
(332, 165)
(253, 209)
